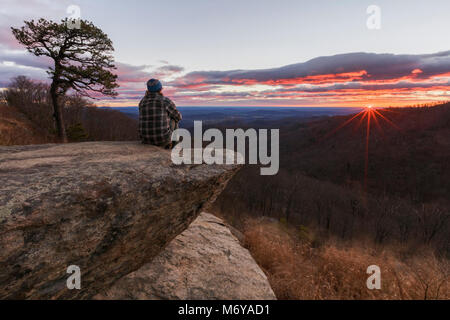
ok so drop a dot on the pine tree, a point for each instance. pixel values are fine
(82, 57)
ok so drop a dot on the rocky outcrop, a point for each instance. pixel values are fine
(204, 262)
(106, 207)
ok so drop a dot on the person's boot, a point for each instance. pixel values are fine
(168, 146)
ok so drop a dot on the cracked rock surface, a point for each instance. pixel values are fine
(204, 262)
(107, 207)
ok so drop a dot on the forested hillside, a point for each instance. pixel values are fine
(344, 197)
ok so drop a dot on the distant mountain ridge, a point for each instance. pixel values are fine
(245, 115)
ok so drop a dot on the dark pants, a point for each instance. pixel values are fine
(173, 125)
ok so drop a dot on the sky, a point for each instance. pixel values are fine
(258, 52)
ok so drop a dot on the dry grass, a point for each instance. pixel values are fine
(16, 129)
(297, 269)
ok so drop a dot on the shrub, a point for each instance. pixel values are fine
(76, 133)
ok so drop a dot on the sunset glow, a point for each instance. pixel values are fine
(295, 61)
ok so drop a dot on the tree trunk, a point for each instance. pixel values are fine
(57, 114)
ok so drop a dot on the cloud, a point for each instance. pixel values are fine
(167, 71)
(346, 79)
(366, 67)
(129, 73)
(7, 40)
(8, 72)
(23, 58)
(343, 78)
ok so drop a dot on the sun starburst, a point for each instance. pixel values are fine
(368, 114)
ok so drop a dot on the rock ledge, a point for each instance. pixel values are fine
(204, 262)
(107, 207)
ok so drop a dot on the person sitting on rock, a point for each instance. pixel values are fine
(158, 116)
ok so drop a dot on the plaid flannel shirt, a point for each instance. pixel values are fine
(155, 113)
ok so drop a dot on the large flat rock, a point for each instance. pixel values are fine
(204, 262)
(107, 207)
